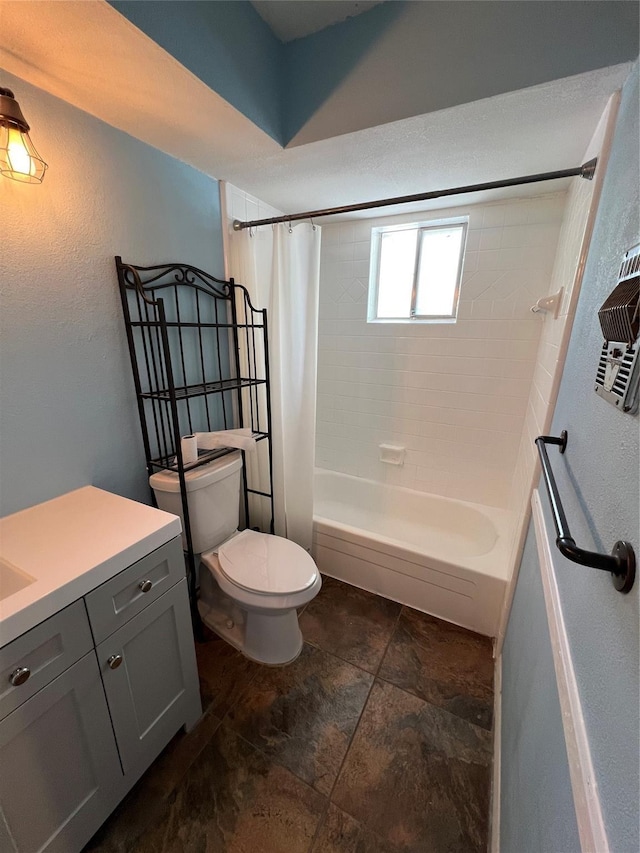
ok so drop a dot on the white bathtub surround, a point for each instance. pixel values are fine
(454, 395)
(573, 247)
(280, 267)
(442, 556)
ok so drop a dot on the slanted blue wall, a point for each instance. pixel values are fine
(599, 484)
(231, 49)
(316, 65)
(396, 60)
(226, 44)
(403, 59)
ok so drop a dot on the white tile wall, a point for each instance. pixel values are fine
(573, 246)
(240, 205)
(455, 395)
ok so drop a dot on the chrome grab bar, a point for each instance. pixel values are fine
(621, 562)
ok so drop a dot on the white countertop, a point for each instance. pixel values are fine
(70, 545)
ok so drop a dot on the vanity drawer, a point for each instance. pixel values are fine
(44, 652)
(111, 605)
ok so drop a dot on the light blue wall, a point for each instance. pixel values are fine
(226, 44)
(537, 813)
(68, 415)
(598, 481)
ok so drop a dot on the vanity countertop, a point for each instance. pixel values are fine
(60, 550)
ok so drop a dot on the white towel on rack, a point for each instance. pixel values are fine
(240, 438)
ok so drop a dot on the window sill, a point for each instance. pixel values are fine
(413, 321)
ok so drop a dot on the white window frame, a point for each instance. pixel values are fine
(420, 227)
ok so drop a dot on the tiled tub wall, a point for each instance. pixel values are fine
(454, 395)
(573, 245)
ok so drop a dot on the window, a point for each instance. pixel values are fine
(415, 271)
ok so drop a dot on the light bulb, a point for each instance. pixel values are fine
(17, 153)
(19, 159)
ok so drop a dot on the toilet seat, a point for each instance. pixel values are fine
(266, 564)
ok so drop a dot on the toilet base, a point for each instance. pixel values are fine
(270, 637)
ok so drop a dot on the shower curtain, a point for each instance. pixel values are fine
(280, 267)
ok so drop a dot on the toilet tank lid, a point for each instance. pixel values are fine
(198, 478)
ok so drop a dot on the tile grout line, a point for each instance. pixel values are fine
(325, 812)
(374, 675)
(220, 718)
(271, 759)
(386, 648)
(416, 695)
(167, 796)
(378, 677)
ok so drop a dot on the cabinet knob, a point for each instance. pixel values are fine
(114, 661)
(19, 675)
(145, 586)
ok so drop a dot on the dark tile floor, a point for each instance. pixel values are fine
(376, 740)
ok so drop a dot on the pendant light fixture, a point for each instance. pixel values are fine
(19, 159)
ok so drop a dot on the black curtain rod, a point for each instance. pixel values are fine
(585, 171)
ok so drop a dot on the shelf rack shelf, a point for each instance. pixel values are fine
(200, 389)
(200, 361)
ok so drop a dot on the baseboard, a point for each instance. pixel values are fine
(494, 828)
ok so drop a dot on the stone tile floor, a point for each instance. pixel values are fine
(376, 740)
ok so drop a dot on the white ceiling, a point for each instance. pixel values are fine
(91, 56)
(543, 128)
(292, 19)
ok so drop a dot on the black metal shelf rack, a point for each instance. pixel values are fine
(200, 361)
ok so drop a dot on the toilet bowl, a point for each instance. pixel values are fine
(250, 590)
(251, 583)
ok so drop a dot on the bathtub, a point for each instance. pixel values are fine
(442, 556)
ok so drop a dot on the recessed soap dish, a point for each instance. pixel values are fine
(392, 454)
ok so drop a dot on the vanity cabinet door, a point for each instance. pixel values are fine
(61, 775)
(150, 678)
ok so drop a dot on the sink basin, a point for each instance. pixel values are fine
(12, 579)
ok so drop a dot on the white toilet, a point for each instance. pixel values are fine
(251, 584)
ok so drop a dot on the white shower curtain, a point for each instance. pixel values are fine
(280, 267)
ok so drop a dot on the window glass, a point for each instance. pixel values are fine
(415, 271)
(438, 271)
(395, 272)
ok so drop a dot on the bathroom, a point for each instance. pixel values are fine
(460, 403)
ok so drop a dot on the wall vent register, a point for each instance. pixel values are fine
(618, 373)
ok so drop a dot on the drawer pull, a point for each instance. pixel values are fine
(20, 675)
(145, 586)
(114, 661)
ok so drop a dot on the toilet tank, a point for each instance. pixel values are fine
(214, 500)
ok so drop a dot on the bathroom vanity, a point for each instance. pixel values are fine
(97, 663)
